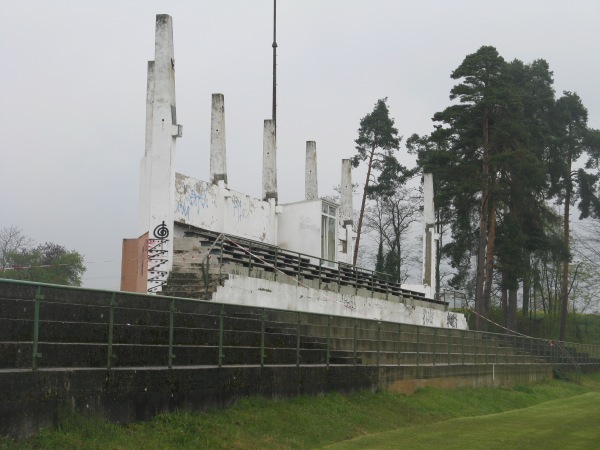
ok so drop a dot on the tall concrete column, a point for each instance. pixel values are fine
(311, 184)
(144, 197)
(158, 170)
(346, 211)
(269, 175)
(429, 235)
(218, 160)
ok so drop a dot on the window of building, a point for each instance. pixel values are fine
(328, 232)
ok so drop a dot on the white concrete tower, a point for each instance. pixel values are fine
(218, 160)
(430, 237)
(346, 211)
(311, 184)
(346, 193)
(158, 165)
(269, 174)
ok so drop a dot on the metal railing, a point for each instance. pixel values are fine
(77, 327)
(299, 266)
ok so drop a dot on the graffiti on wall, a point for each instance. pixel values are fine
(349, 301)
(428, 316)
(452, 320)
(158, 258)
(239, 211)
(194, 200)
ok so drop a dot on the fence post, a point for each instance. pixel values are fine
(329, 319)
(263, 316)
(399, 341)
(171, 323)
(378, 342)
(276, 261)
(320, 271)
(298, 342)
(36, 327)
(111, 326)
(418, 350)
(449, 344)
(434, 344)
(250, 260)
(354, 339)
(221, 355)
(462, 345)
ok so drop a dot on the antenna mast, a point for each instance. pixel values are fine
(275, 65)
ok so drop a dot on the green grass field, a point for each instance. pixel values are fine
(548, 415)
(558, 424)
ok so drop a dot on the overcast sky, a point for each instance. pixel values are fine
(73, 87)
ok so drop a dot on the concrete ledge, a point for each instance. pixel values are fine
(32, 400)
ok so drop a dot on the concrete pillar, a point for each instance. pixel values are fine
(218, 160)
(145, 172)
(346, 212)
(311, 184)
(269, 176)
(158, 169)
(429, 235)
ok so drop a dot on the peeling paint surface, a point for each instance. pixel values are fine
(216, 208)
(242, 290)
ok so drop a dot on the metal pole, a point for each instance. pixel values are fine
(462, 341)
(171, 322)
(221, 355)
(378, 342)
(36, 327)
(276, 261)
(298, 342)
(418, 350)
(449, 344)
(328, 338)
(354, 340)
(111, 326)
(399, 341)
(263, 315)
(434, 344)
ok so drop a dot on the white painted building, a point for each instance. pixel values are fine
(172, 204)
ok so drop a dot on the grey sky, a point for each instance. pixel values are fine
(73, 80)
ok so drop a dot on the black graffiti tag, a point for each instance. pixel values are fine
(161, 231)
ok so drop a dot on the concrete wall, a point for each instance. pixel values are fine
(299, 227)
(73, 371)
(31, 400)
(242, 290)
(216, 208)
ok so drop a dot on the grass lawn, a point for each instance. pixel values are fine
(535, 416)
(558, 424)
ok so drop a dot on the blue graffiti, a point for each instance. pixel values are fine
(239, 212)
(196, 200)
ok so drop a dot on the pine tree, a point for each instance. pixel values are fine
(377, 140)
